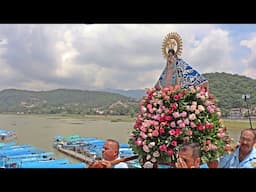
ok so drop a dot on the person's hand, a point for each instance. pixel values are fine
(96, 164)
(107, 164)
(182, 164)
(100, 164)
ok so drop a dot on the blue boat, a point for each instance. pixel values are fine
(27, 150)
(11, 163)
(13, 147)
(39, 164)
(58, 166)
(40, 154)
(11, 143)
(6, 135)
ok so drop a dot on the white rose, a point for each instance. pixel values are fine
(148, 157)
(148, 164)
(145, 148)
(153, 160)
(156, 154)
(151, 144)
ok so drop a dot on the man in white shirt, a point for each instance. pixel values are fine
(110, 152)
(245, 155)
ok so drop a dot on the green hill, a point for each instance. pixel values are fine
(59, 101)
(228, 90)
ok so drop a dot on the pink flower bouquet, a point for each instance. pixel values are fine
(171, 116)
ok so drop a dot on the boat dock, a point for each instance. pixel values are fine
(76, 155)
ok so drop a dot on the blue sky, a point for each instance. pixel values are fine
(239, 32)
(122, 56)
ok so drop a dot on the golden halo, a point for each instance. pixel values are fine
(172, 41)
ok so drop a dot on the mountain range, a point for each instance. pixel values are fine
(228, 90)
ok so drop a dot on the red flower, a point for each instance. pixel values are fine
(167, 118)
(170, 152)
(161, 130)
(174, 143)
(163, 147)
(173, 106)
(176, 97)
(200, 127)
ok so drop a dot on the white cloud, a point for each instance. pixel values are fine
(3, 41)
(126, 56)
(5, 70)
(65, 66)
(250, 61)
(212, 53)
(37, 85)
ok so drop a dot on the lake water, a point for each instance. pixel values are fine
(39, 131)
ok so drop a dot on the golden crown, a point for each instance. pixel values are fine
(172, 41)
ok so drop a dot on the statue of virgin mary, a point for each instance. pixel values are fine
(177, 71)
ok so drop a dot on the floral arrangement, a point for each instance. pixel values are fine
(169, 117)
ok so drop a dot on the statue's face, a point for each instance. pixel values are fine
(170, 56)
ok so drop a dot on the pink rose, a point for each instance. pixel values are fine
(193, 108)
(138, 142)
(201, 108)
(182, 125)
(186, 121)
(192, 124)
(155, 133)
(189, 133)
(163, 147)
(161, 130)
(172, 132)
(176, 97)
(192, 117)
(176, 115)
(174, 143)
(143, 109)
(170, 152)
(183, 114)
(173, 124)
